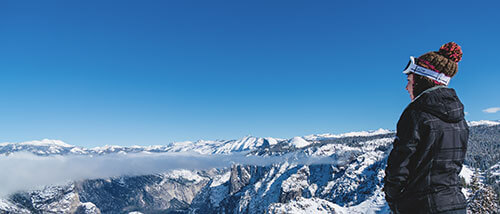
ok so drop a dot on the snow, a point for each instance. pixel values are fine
(494, 173)
(77, 150)
(342, 150)
(299, 142)
(305, 205)
(111, 148)
(221, 180)
(88, 205)
(218, 190)
(273, 176)
(483, 123)
(495, 170)
(349, 134)
(181, 146)
(296, 182)
(374, 204)
(354, 182)
(4, 204)
(44, 142)
(201, 146)
(54, 150)
(271, 141)
(149, 148)
(373, 144)
(11, 208)
(244, 144)
(247, 143)
(466, 173)
(184, 174)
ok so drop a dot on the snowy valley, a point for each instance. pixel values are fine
(323, 173)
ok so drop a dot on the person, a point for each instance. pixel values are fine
(431, 139)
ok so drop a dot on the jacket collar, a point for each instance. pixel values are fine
(427, 91)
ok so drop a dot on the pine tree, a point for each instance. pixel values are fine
(483, 198)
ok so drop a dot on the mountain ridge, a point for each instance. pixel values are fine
(347, 179)
(247, 143)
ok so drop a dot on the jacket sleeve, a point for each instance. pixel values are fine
(404, 146)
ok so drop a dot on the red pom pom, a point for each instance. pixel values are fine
(451, 51)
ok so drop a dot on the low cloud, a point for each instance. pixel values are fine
(26, 171)
(491, 110)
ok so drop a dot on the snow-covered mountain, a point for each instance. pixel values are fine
(322, 173)
(48, 147)
(483, 123)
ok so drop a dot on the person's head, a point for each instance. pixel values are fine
(443, 61)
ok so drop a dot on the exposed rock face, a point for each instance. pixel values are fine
(151, 193)
(59, 199)
(170, 192)
(257, 189)
(240, 177)
(293, 187)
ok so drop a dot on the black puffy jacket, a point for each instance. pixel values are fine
(427, 156)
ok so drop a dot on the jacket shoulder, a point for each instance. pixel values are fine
(412, 123)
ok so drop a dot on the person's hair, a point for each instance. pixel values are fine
(443, 61)
(421, 83)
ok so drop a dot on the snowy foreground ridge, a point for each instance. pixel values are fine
(323, 173)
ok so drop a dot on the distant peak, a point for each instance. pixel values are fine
(44, 142)
(350, 134)
(299, 142)
(107, 147)
(483, 123)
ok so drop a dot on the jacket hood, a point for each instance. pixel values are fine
(442, 102)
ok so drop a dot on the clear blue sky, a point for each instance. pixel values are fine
(152, 72)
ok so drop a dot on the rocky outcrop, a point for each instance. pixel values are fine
(294, 186)
(87, 208)
(58, 199)
(169, 192)
(151, 193)
(240, 177)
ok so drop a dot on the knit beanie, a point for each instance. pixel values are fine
(443, 61)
